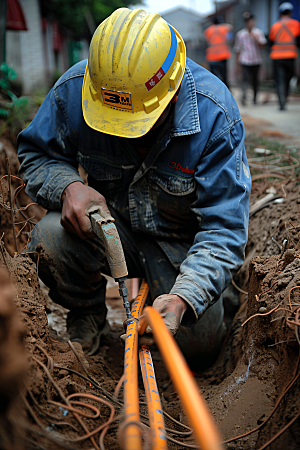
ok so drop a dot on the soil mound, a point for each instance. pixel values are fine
(256, 371)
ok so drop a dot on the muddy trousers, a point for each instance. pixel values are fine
(72, 269)
(284, 70)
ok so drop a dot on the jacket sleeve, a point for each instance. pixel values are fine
(47, 154)
(222, 209)
(261, 37)
(272, 34)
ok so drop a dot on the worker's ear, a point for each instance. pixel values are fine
(175, 98)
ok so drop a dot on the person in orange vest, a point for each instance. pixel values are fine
(284, 37)
(218, 52)
(248, 59)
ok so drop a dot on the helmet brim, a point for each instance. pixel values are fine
(116, 122)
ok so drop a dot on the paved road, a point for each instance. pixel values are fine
(267, 120)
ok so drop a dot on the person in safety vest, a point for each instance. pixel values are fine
(284, 38)
(248, 60)
(218, 52)
(162, 141)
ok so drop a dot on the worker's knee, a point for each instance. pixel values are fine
(48, 235)
(201, 343)
(56, 247)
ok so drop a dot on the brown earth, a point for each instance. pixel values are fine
(254, 368)
(261, 127)
(24, 220)
(240, 389)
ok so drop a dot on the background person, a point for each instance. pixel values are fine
(284, 38)
(248, 59)
(218, 52)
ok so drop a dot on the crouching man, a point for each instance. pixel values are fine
(162, 141)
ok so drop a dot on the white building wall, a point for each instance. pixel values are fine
(31, 47)
(187, 23)
(266, 13)
(50, 52)
(261, 11)
(13, 51)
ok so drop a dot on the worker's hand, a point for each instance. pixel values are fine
(77, 199)
(171, 308)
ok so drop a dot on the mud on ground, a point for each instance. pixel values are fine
(256, 363)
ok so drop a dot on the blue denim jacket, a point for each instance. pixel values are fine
(192, 190)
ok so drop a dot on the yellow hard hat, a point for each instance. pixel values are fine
(136, 63)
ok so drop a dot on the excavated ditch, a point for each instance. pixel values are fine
(256, 363)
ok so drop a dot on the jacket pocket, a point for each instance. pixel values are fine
(174, 185)
(173, 197)
(103, 175)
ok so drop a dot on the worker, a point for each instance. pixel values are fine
(162, 141)
(284, 38)
(218, 52)
(248, 59)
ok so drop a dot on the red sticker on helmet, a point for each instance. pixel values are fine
(155, 79)
(166, 64)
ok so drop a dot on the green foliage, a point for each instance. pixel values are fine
(7, 75)
(72, 13)
(15, 111)
(4, 113)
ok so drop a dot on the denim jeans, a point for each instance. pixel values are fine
(219, 69)
(250, 76)
(72, 269)
(284, 71)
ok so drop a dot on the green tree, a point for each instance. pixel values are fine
(74, 14)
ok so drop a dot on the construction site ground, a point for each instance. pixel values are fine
(257, 371)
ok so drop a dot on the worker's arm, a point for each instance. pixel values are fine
(237, 61)
(48, 155)
(77, 200)
(272, 34)
(222, 209)
(206, 34)
(259, 37)
(237, 49)
(298, 36)
(230, 34)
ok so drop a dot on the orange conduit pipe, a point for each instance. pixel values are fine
(199, 416)
(156, 418)
(132, 434)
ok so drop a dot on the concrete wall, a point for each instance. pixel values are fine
(13, 51)
(31, 52)
(32, 63)
(189, 25)
(186, 22)
(266, 13)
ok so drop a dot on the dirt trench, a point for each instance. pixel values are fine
(256, 364)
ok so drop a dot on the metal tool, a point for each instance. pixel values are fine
(106, 230)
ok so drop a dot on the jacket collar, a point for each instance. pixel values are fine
(186, 116)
